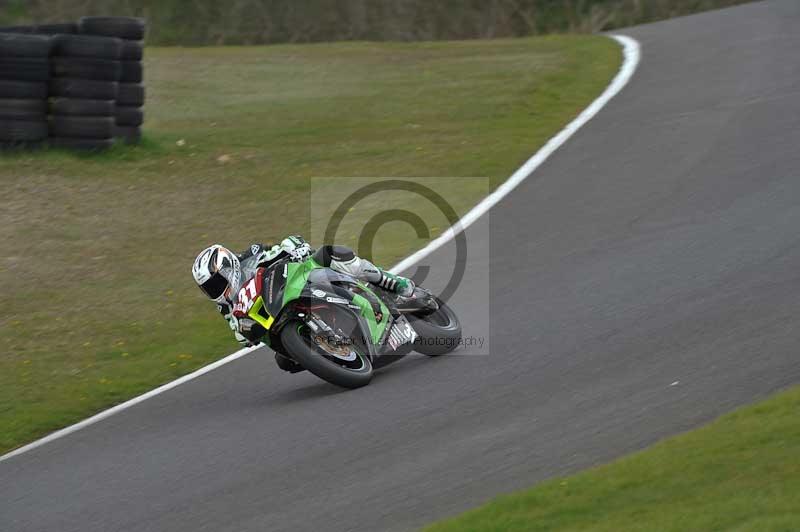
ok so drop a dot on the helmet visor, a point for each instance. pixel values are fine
(215, 286)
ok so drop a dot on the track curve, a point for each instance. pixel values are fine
(658, 246)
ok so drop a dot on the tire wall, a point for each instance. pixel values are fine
(74, 85)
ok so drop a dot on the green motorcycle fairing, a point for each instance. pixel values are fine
(288, 282)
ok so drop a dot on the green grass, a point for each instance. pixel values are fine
(98, 301)
(741, 473)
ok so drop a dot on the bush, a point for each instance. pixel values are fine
(208, 22)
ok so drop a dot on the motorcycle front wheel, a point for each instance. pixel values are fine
(439, 332)
(346, 366)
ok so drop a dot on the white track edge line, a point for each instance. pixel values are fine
(631, 57)
(127, 404)
(632, 54)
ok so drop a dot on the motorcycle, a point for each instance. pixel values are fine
(338, 327)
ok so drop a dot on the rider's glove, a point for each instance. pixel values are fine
(293, 247)
(233, 323)
(296, 247)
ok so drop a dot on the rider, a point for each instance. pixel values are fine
(220, 274)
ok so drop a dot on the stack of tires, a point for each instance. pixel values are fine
(24, 72)
(85, 74)
(130, 95)
(43, 29)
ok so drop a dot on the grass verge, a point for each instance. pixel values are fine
(740, 473)
(98, 301)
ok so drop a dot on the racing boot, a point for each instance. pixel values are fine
(402, 286)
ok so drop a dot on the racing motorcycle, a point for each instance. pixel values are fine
(338, 327)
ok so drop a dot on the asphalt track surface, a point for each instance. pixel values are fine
(659, 245)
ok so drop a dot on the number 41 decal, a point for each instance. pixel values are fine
(246, 296)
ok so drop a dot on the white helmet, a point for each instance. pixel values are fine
(215, 270)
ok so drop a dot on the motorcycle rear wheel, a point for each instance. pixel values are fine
(298, 340)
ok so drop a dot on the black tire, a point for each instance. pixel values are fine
(69, 143)
(22, 130)
(128, 134)
(81, 107)
(131, 72)
(85, 68)
(129, 116)
(83, 127)
(17, 29)
(22, 89)
(132, 50)
(122, 27)
(130, 95)
(87, 46)
(67, 28)
(305, 353)
(83, 88)
(439, 332)
(21, 146)
(23, 109)
(25, 68)
(21, 45)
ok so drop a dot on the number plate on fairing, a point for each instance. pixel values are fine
(401, 333)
